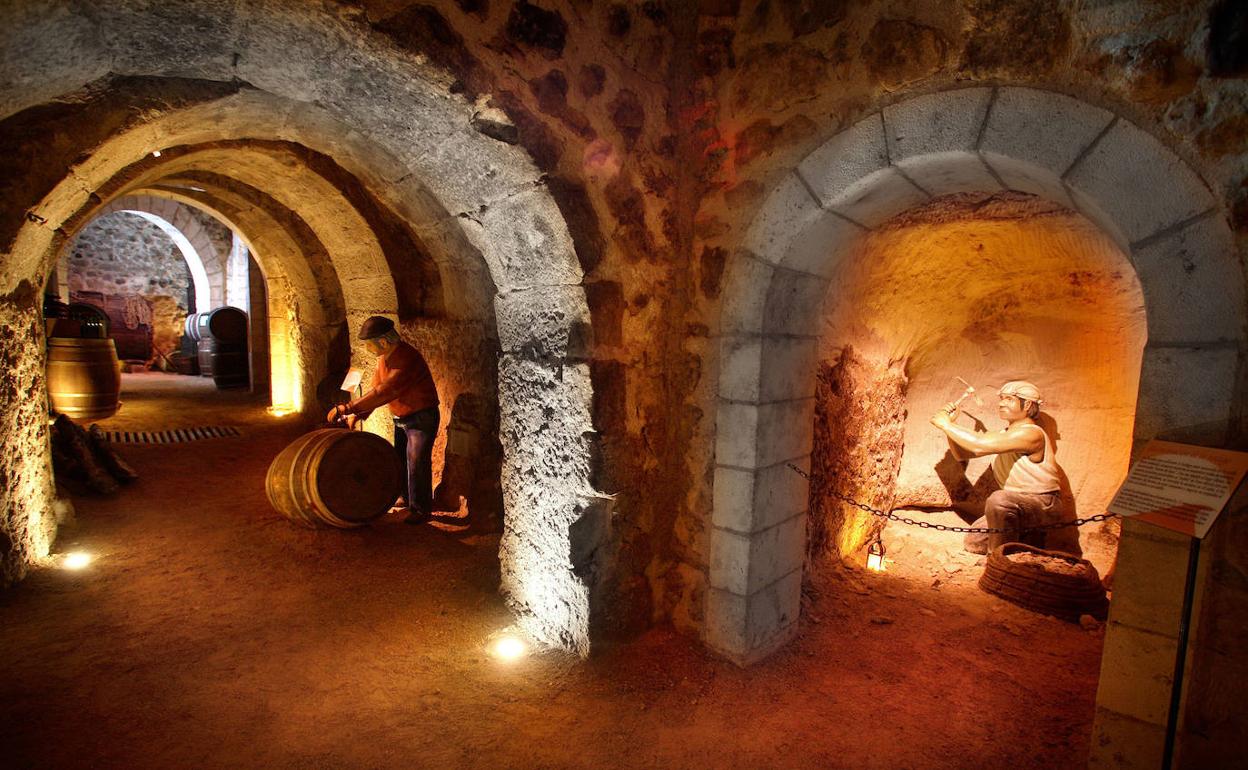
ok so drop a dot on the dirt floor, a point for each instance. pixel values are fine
(209, 632)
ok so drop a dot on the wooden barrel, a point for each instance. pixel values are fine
(334, 477)
(190, 327)
(225, 362)
(224, 324)
(84, 378)
(205, 355)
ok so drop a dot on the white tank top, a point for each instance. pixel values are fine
(1017, 472)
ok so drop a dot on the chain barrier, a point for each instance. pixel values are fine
(893, 516)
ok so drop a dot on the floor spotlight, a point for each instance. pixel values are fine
(509, 648)
(76, 560)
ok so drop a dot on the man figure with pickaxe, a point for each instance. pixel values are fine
(1025, 468)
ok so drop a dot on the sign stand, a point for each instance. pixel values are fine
(1182, 488)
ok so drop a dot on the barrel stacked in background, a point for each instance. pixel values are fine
(221, 339)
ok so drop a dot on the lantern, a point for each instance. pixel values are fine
(875, 555)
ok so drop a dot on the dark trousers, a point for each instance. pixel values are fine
(413, 440)
(1014, 511)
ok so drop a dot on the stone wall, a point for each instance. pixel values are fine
(660, 129)
(129, 267)
(125, 254)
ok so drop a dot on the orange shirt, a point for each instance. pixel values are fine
(403, 383)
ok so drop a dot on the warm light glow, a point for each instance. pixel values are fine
(875, 555)
(285, 363)
(281, 410)
(76, 560)
(509, 648)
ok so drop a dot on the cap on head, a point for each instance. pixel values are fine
(375, 326)
(1023, 390)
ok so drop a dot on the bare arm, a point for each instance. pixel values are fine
(1016, 439)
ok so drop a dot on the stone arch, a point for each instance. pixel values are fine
(977, 139)
(481, 203)
(203, 258)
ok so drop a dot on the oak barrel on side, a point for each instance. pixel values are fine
(334, 477)
(224, 324)
(84, 378)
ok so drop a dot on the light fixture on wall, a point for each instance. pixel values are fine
(875, 555)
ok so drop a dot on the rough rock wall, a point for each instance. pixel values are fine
(26, 527)
(993, 288)
(860, 411)
(662, 127)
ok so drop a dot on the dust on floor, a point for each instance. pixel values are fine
(210, 632)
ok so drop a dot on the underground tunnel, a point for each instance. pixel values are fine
(693, 283)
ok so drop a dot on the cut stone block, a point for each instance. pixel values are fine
(525, 242)
(1186, 392)
(750, 436)
(1041, 128)
(787, 212)
(752, 500)
(940, 122)
(1137, 668)
(1091, 208)
(1123, 743)
(773, 613)
(739, 367)
(1193, 284)
(736, 434)
(787, 368)
(785, 431)
(794, 303)
(1149, 580)
(943, 173)
(746, 563)
(745, 294)
(821, 247)
(1028, 177)
(1139, 183)
(844, 159)
(878, 197)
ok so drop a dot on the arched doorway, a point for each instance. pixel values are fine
(1139, 195)
(478, 205)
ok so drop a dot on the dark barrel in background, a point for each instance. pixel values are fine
(221, 336)
(334, 477)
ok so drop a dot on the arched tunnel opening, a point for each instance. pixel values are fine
(970, 291)
(694, 284)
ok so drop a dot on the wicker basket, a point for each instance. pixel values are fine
(1032, 586)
